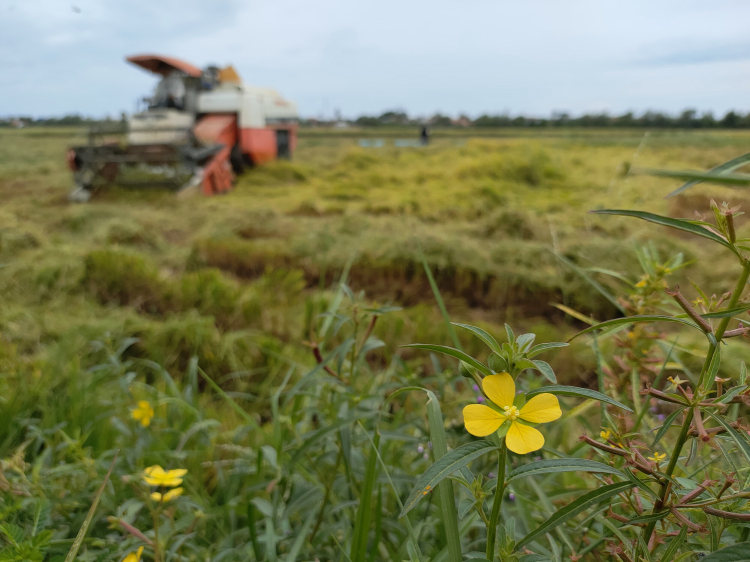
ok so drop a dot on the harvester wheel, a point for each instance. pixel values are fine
(237, 160)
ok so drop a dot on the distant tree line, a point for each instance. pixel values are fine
(73, 120)
(688, 119)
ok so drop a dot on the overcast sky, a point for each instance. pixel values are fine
(452, 56)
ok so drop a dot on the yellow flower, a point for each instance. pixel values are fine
(675, 382)
(641, 283)
(157, 476)
(170, 495)
(134, 556)
(658, 457)
(143, 413)
(605, 434)
(483, 420)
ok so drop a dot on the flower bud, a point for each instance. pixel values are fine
(466, 370)
(497, 363)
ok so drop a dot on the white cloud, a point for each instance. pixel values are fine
(367, 56)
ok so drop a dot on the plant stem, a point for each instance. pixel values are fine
(502, 456)
(157, 546)
(667, 486)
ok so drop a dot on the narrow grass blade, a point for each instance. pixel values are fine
(73, 552)
(236, 407)
(679, 224)
(562, 390)
(575, 314)
(412, 535)
(457, 353)
(364, 510)
(590, 280)
(725, 168)
(441, 304)
(698, 177)
(319, 434)
(445, 488)
(562, 465)
(444, 467)
(299, 542)
(574, 508)
(640, 319)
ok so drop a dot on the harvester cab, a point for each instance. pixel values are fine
(197, 131)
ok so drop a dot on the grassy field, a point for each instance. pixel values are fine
(485, 214)
(240, 281)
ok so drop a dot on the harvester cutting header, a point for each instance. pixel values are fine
(200, 128)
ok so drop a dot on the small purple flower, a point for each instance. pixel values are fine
(661, 417)
(476, 388)
(492, 475)
(654, 409)
(512, 497)
(426, 456)
(420, 449)
(480, 399)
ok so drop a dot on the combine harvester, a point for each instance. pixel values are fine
(200, 128)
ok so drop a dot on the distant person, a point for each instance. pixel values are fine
(424, 137)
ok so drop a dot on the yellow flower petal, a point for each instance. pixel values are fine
(157, 476)
(172, 494)
(542, 408)
(133, 556)
(482, 420)
(522, 439)
(500, 389)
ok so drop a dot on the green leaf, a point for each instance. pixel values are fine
(574, 508)
(697, 176)
(562, 465)
(665, 427)
(736, 553)
(562, 390)
(648, 518)
(679, 224)
(674, 545)
(728, 312)
(544, 368)
(509, 333)
(721, 169)
(73, 552)
(707, 380)
(534, 558)
(542, 347)
(639, 319)
(741, 443)
(448, 464)
(525, 340)
(730, 394)
(486, 337)
(458, 354)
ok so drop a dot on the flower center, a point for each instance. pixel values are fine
(511, 412)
